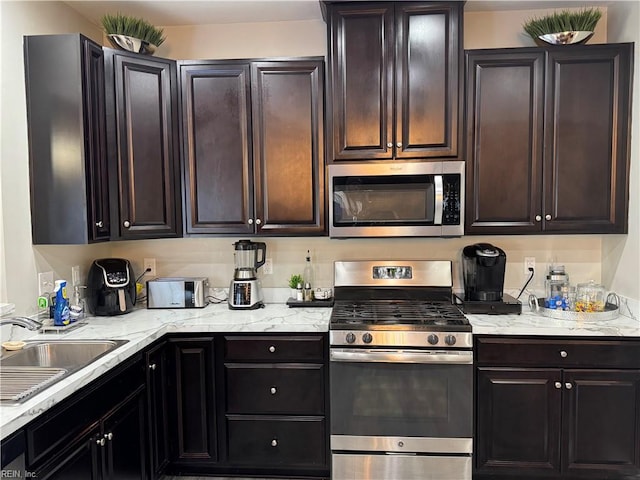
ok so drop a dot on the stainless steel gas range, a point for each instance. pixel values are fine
(401, 373)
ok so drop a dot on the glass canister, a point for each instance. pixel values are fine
(590, 297)
(557, 288)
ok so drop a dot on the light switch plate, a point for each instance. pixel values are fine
(45, 283)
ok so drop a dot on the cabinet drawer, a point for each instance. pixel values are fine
(277, 441)
(558, 352)
(293, 389)
(274, 348)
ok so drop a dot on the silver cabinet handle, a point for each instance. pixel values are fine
(563, 354)
(568, 386)
(272, 349)
(100, 442)
(547, 217)
(126, 224)
(273, 390)
(108, 436)
(250, 222)
(152, 366)
(399, 144)
(258, 221)
(274, 443)
(389, 145)
(99, 224)
(538, 218)
(558, 385)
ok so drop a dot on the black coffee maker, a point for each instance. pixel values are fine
(111, 287)
(483, 272)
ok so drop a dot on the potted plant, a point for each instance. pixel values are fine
(565, 27)
(294, 280)
(132, 34)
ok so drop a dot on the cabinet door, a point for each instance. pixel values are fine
(587, 139)
(504, 141)
(518, 421)
(192, 409)
(217, 148)
(83, 460)
(602, 426)
(361, 49)
(157, 409)
(124, 432)
(146, 160)
(428, 64)
(288, 118)
(96, 142)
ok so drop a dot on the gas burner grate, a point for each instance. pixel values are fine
(389, 312)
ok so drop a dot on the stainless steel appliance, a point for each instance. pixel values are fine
(245, 291)
(111, 287)
(407, 199)
(182, 292)
(401, 373)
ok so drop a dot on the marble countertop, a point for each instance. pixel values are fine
(142, 327)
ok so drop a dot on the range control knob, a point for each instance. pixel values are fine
(450, 340)
(433, 339)
(367, 338)
(351, 337)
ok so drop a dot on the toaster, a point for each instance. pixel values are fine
(177, 292)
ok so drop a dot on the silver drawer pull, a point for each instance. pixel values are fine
(563, 354)
(108, 436)
(272, 349)
(558, 385)
(274, 443)
(568, 386)
(273, 390)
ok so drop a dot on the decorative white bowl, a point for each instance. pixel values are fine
(132, 44)
(566, 38)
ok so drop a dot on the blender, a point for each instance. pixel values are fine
(245, 291)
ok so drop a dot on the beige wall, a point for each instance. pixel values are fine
(621, 253)
(583, 255)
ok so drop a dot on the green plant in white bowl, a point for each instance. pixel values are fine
(564, 27)
(132, 33)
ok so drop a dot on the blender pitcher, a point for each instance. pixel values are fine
(249, 256)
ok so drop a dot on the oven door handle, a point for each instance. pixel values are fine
(401, 356)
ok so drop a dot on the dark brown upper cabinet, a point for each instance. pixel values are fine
(548, 135)
(252, 140)
(395, 76)
(143, 147)
(67, 145)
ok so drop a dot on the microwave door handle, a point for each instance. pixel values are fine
(439, 200)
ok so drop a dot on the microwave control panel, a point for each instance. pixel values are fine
(451, 199)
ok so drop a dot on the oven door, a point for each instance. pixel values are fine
(411, 401)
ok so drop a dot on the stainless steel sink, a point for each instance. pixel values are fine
(40, 364)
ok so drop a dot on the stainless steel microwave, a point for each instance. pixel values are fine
(396, 199)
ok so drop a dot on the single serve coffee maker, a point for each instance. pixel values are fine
(245, 291)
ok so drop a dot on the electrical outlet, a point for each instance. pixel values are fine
(529, 262)
(45, 283)
(267, 268)
(150, 263)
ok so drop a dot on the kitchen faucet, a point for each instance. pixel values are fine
(25, 322)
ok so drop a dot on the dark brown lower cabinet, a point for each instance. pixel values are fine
(156, 363)
(557, 409)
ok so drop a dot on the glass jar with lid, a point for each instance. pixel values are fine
(590, 297)
(557, 288)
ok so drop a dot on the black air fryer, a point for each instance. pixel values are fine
(111, 287)
(483, 272)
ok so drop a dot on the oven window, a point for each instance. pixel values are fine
(401, 399)
(389, 199)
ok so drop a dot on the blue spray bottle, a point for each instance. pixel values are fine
(61, 308)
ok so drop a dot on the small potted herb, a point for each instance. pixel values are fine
(132, 33)
(565, 27)
(294, 280)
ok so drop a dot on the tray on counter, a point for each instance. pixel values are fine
(293, 303)
(611, 310)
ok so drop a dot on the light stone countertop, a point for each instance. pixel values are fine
(142, 327)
